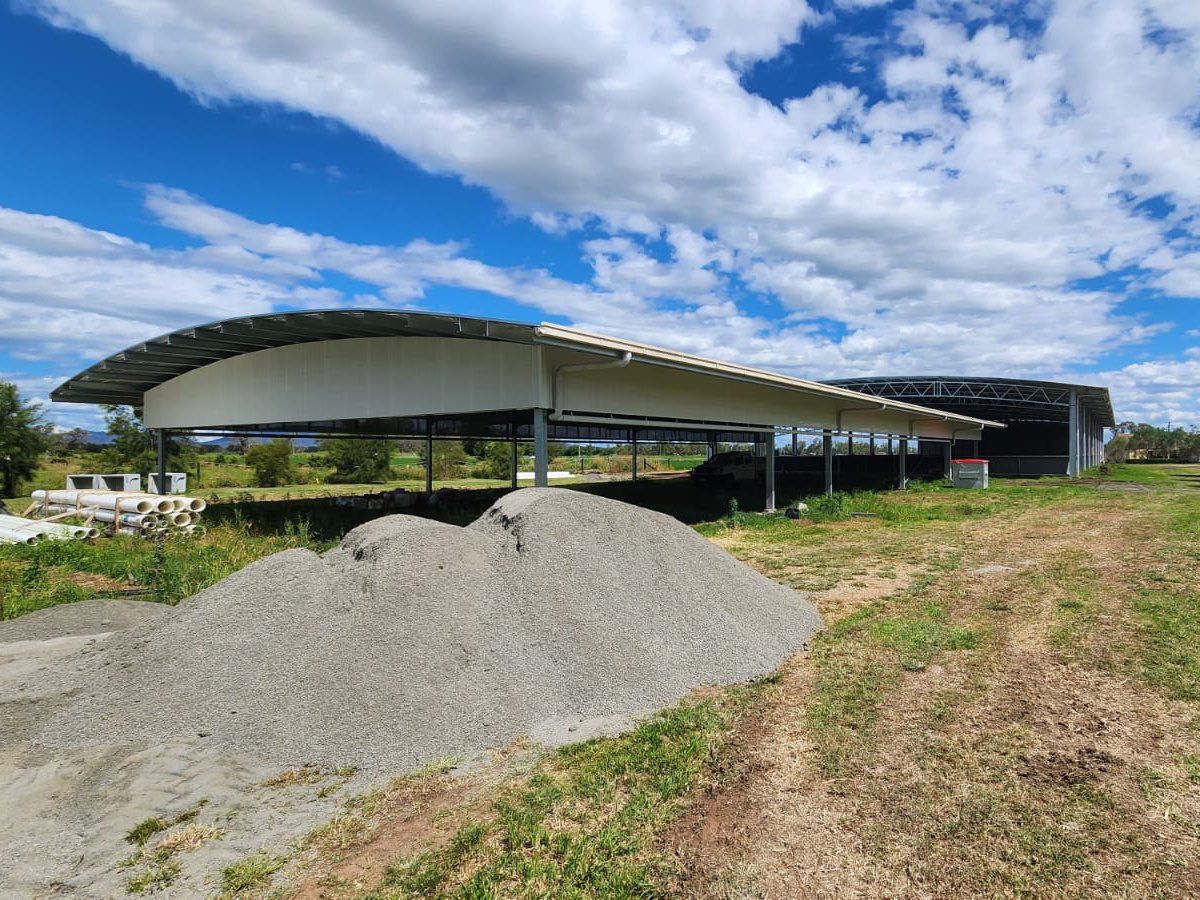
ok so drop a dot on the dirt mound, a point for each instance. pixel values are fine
(556, 614)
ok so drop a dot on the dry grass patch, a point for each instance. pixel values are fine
(302, 775)
(190, 837)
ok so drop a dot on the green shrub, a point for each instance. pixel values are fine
(272, 463)
(358, 461)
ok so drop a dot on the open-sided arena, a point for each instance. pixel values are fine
(432, 376)
(1053, 428)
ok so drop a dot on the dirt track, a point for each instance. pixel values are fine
(1030, 766)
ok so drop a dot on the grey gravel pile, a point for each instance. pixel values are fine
(556, 614)
(84, 617)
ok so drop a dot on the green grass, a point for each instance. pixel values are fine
(156, 876)
(1191, 765)
(156, 868)
(1166, 607)
(249, 874)
(583, 823)
(37, 577)
(860, 659)
(1154, 475)
(146, 829)
(923, 503)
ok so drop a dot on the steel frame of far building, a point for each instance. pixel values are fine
(1054, 428)
(432, 375)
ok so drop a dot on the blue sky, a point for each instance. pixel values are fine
(835, 189)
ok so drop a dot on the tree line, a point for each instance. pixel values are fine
(1141, 441)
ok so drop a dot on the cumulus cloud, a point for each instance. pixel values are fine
(1156, 391)
(941, 226)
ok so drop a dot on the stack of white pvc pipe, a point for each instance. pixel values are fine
(128, 513)
(16, 530)
(137, 521)
(130, 503)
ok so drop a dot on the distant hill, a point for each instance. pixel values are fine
(103, 439)
(225, 442)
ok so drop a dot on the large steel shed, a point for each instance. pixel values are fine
(413, 374)
(1053, 428)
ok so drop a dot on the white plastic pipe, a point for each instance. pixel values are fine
(17, 524)
(127, 503)
(178, 519)
(12, 536)
(161, 502)
(134, 520)
(179, 502)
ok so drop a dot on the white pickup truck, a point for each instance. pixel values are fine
(729, 468)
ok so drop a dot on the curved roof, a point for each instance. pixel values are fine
(1005, 399)
(661, 389)
(124, 377)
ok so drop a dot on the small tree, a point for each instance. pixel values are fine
(448, 458)
(495, 459)
(133, 448)
(357, 462)
(272, 463)
(76, 440)
(23, 438)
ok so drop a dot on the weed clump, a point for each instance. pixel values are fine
(254, 871)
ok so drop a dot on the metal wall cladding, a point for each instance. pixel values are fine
(348, 379)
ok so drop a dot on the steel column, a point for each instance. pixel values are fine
(541, 449)
(770, 473)
(633, 447)
(515, 456)
(827, 450)
(160, 441)
(1073, 436)
(946, 460)
(901, 477)
(795, 442)
(429, 456)
(1087, 439)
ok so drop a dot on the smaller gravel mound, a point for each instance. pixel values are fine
(84, 617)
(556, 614)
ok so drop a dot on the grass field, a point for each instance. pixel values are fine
(1006, 702)
(225, 476)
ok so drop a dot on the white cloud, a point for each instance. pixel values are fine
(1156, 391)
(635, 114)
(59, 280)
(939, 229)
